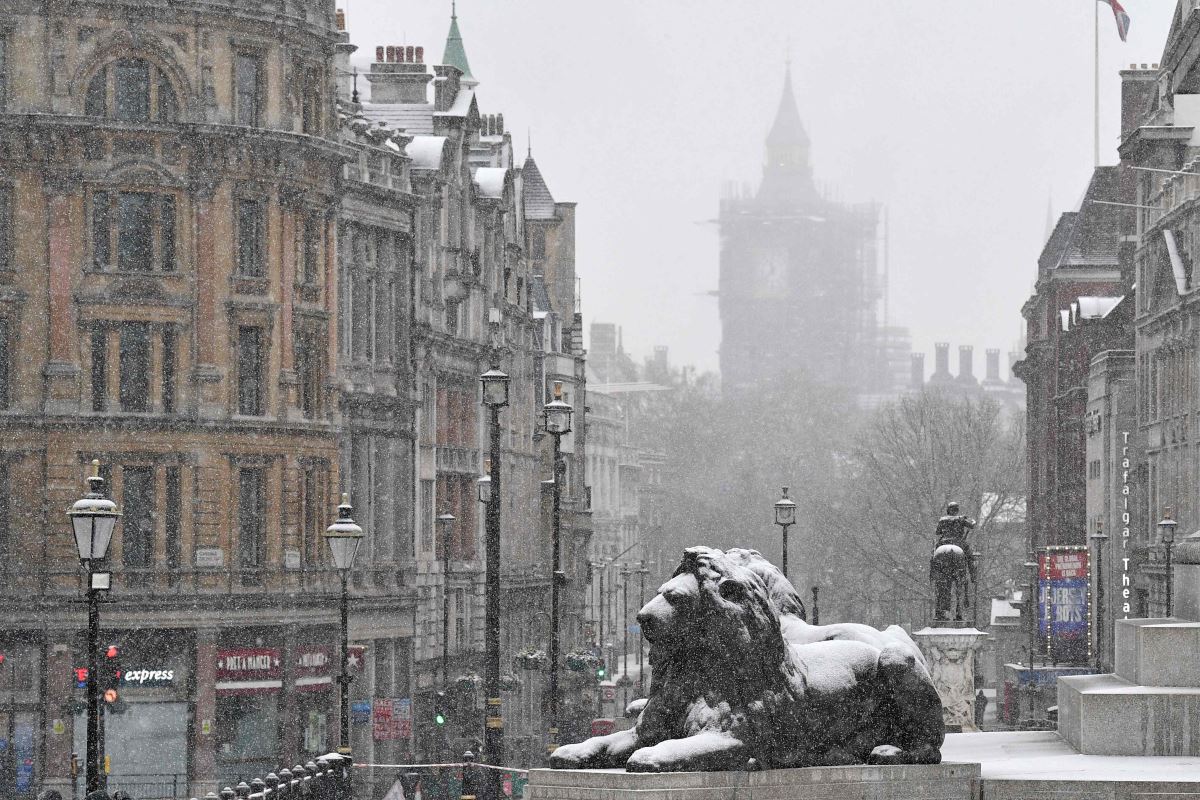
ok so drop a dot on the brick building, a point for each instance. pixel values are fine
(243, 290)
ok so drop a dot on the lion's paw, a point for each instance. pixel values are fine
(568, 756)
(886, 754)
(644, 760)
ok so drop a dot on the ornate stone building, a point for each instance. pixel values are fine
(169, 187)
(243, 290)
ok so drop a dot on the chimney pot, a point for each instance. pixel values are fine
(409, 54)
(379, 53)
(391, 54)
(341, 19)
(499, 124)
(1154, 66)
(966, 365)
(420, 55)
(1143, 66)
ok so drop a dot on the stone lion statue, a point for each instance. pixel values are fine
(740, 679)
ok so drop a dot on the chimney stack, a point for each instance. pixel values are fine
(966, 364)
(445, 86)
(941, 363)
(917, 374)
(1139, 87)
(993, 366)
(398, 75)
(342, 50)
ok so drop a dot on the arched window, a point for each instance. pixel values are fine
(132, 90)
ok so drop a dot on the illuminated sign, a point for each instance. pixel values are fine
(1063, 619)
(1126, 581)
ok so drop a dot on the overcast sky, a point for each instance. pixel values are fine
(965, 117)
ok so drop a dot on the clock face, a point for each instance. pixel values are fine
(772, 271)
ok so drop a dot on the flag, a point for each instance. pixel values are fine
(1121, 17)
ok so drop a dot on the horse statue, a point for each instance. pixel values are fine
(950, 575)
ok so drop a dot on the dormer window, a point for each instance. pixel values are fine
(131, 90)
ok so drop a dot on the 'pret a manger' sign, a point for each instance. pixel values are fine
(248, 663)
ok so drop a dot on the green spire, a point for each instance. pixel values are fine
(456, 54)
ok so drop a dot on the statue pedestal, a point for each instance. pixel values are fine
(858, 782)
(951, 656)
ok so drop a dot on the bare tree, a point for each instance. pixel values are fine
(912, 457)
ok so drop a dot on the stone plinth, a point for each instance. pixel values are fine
(951, 656)
(1156, 652)
(859, 782)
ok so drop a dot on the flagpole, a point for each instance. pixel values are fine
(1096, 97)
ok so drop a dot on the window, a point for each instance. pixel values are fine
(251, 514)
(312, 250)
(170, 340)
(144, 231)
(174, 520)
(134, 383)
(452, 317)
(312, 506)
(137, 520)
(250, 371)
(250, 238)
(426, 521)
(310, 372)
(131, 90)
(247, 90)
(6, 359)
(99, 368)
(6, 210)
(311, 98)
(5, 506)
(3, 71)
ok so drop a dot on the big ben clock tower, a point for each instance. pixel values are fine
(798, 279)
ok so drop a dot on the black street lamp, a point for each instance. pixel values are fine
(642, 573)
(495, 396)
(1166, 531)
(93, 519)
(785, 517)
(625, 573)
(444, 523)
(1031, 603)
(344, 537)
(1101, 540)
(556, 417)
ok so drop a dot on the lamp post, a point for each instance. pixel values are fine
(1101, 540)
(1031, 603)
(1166, 532)
(344, 537)
(495, 396)
(444, 523)
(93, 518)
(625, 573)
(557, 422)
(642, 572)
(785, 517)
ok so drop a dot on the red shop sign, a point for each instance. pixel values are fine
(313, 660)
(249, 664)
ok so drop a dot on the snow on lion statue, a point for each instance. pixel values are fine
(741, 680)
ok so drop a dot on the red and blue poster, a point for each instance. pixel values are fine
(1063, 616)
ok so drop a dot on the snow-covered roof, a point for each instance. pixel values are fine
(490, 181)
(1003, 612)
(461, 106)
(414, 118)
(426, 151)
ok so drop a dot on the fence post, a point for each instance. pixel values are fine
(285, 783)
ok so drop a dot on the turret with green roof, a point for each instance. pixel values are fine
(455, 54)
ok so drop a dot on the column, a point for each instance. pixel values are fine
(64, 234)
(59, 730)
(286, 212)
(206, 373)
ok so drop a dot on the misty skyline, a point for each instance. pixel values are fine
(656, 106)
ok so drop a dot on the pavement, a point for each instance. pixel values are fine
(1043, 756)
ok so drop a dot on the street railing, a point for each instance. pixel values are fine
(327, 778)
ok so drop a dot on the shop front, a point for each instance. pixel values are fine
(20, 717)
(315, 699)
(145, 680)
(249, 680)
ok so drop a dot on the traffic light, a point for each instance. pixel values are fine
(439, 708)
(110, 680)
(601, 671)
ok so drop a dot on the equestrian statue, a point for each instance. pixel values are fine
(952, 564)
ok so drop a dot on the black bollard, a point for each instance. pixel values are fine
(469, 777)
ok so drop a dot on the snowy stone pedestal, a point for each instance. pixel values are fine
(951, 656)
(859, 782)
